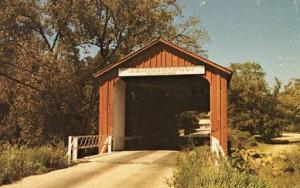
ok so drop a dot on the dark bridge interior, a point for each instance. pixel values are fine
(154, 108)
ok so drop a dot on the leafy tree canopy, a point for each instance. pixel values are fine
(46, 88)
(253, 106)
(290, 104)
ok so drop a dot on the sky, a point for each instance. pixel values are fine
(262, 31)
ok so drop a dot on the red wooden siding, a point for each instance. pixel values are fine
(218, 106)
(160, 57)
(106, 109)
(223, 113)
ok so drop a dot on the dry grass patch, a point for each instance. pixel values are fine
(278, 162)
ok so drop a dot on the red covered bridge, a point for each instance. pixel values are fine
(142, 93)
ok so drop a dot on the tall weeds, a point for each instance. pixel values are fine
(199, 168)
(19, 161)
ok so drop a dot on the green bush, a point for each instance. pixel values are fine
(188, 121)
(199, 168)
(253, 106)
(237, 161)
(241, 139)
(51, 157)
(19, 161)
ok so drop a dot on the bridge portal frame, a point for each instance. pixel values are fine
(160, 54)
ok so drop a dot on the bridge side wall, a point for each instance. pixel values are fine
(218, 107)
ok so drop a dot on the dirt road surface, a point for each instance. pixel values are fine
(121, 169)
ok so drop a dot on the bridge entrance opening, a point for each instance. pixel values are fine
(159, 111)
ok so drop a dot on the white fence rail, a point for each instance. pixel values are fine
(89, 141)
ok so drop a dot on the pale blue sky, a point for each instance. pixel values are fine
(264, 31)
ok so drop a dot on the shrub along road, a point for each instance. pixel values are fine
(120, 169)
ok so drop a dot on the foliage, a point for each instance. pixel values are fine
(240, 139)
(188, 121)
(239, 162)
(199, 168)
(253, 106)
(46, 66)
(290, 104)
(19, 161)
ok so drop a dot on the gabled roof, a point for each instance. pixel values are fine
(167, 43)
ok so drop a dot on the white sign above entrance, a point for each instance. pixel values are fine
(161, 71)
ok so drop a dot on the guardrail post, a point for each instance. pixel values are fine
(75, 148)
(109, 144)
(69, 154)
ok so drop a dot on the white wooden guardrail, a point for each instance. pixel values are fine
(89, 141)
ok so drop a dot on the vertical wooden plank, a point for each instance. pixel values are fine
(213, 106)
(185, 63)
(139, 61)
(116, 115)
(208, 75)
(108, 103)
(189, 63)
(103, 113)
(163, 58)
(216, 136)
(147, 60)
(224, 118)
(168, 59)
(218, 106)
(175, 60)
(119, 115)
(110, 107)
(142, 63)
(180, 62)
(158, 59)
(100, 110)
(153, 61)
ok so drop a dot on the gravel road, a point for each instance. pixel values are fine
(120, 169)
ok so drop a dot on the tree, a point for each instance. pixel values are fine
(47, 87)
(117, 28)
(253, 106)
(290, 104)
(41, 77)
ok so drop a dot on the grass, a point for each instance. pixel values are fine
(279, 161)
(199, 168)
(287, 143)
(20, 161)
(275, 164)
